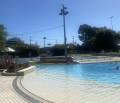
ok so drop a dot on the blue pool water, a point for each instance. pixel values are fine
(99, 72)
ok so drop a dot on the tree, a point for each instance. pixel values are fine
(15, 41)
(3, 35)
(58, 50)
(106, 39)
(86, 33)
(23, 49)
(98, 39)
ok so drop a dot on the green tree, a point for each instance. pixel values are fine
(86, 34)
(23, 49)
(15, 41)
(58, 50)
(3, 35)
(98, 39)
(106, 39)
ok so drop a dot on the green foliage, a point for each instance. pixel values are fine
(86, 33)
(27, 50)
(98, 39)
(15, 41)
(3, 35)
(23, 49)
(57, 50)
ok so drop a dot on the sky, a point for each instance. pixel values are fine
(40, 18)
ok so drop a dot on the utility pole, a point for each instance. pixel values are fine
(56, 42)
(44, 38)
(73, 40)
(30, 40)
(64, 12)
(111, 21)
(36, 43)
(30, 53)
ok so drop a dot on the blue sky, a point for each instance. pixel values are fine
(39, 18)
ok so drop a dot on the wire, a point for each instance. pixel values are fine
(40, 31)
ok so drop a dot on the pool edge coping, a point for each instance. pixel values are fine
(23, 92)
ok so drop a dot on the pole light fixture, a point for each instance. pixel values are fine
(63, 13)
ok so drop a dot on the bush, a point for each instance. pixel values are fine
(57, 51)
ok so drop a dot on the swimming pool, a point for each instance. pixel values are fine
(71, 83)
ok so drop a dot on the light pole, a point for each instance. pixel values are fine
(30, 40)
(56, 42)
(111, 21)
(73, 40)
(30, 52)
(64, 12)
(44, 38)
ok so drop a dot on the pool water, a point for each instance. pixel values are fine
(99, 72)
(70, 83)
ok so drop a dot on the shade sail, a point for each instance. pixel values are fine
(8, 49)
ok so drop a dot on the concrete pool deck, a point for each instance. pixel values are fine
(89, 93)
(96, 59)
(7, 92)
(11, 90)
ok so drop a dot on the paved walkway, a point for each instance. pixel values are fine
(7, 93)
(96, 59)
